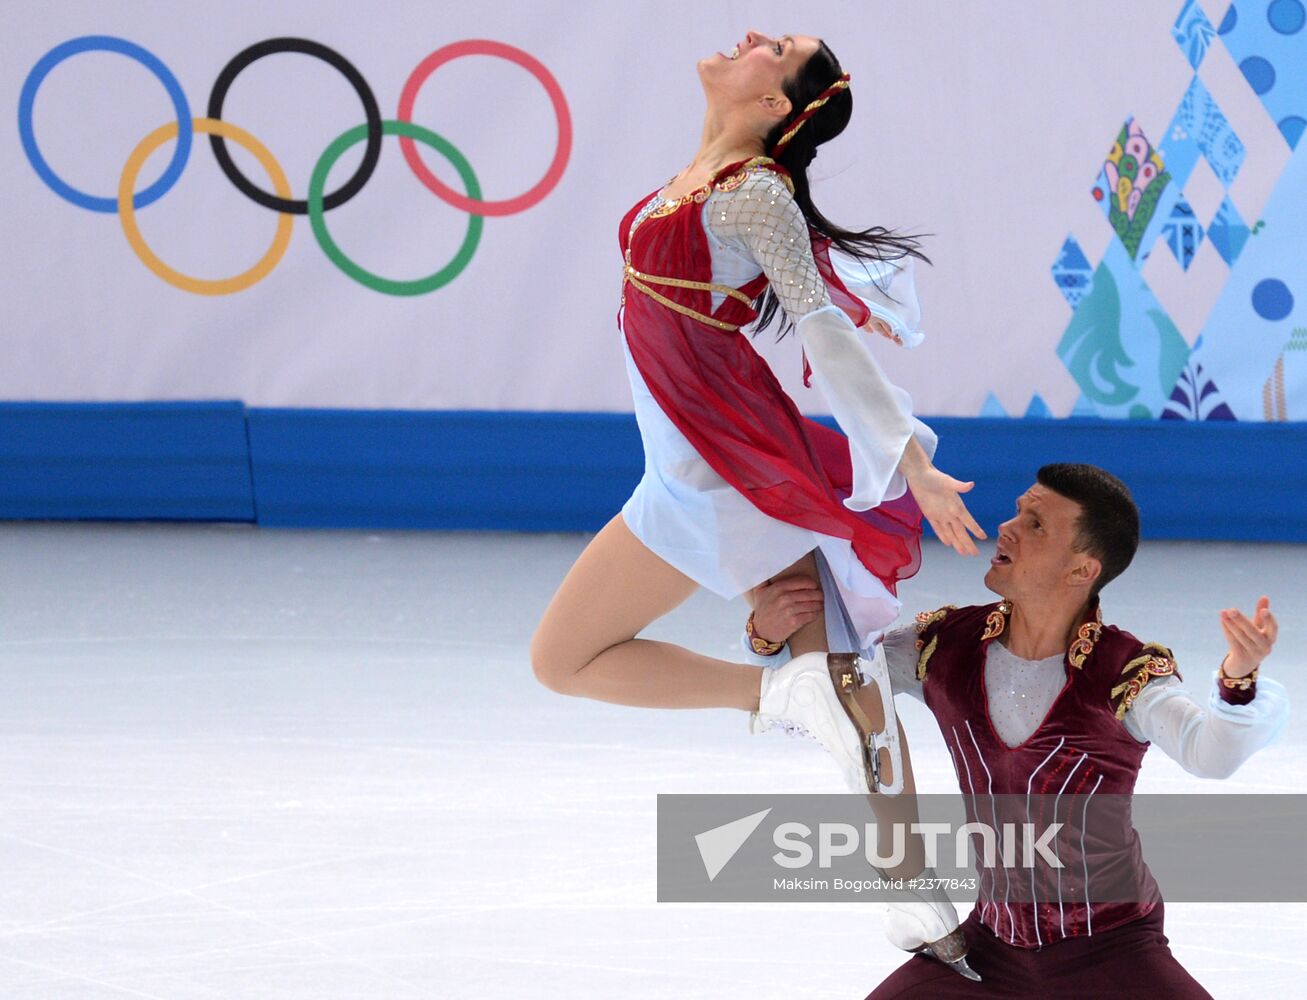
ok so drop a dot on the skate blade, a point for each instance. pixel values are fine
(949, 946)
(958, 965)
(844, 675)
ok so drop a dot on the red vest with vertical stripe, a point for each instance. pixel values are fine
(1080, 751)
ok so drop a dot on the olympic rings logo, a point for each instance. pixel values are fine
(317, 203)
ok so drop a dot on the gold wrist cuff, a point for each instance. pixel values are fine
(758, 644)
(1237, 683)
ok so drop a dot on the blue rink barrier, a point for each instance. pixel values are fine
(524, 471)
(125, 461)
(1199, 479)
(442, 469)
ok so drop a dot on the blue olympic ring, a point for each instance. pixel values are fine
(104, 43)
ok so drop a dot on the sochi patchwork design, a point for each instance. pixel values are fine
(1197, 307)
(318, 202)
(1194, 309)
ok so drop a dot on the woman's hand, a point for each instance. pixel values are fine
(781, 607)
(937, 494)
(878, 325)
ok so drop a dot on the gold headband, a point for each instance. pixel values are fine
(841, 84)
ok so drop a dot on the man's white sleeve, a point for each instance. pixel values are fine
(1211, 741)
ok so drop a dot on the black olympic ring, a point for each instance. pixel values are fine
(371, 152)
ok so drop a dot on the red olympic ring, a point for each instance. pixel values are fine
(485, 47)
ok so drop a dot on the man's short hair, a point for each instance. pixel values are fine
(1108, 525)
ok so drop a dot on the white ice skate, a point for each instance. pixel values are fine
(928, 923)
(813, 694)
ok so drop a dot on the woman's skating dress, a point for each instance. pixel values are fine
(738, 485)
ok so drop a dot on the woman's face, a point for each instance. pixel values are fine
(756, 68)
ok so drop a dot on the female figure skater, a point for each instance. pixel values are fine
(739, 488)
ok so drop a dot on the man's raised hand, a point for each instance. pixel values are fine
(1250, 639)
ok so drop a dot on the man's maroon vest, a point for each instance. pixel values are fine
(1081, 750)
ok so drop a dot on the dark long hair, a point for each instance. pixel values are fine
(876, 243)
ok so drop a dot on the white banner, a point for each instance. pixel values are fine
(983, 124)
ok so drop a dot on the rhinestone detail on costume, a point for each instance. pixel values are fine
(758, 214)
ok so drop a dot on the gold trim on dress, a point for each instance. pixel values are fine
(700, 194)
(740, 176)
(642, 281)
(676, 306)
(701, 286)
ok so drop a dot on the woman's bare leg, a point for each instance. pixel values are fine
(585, 645)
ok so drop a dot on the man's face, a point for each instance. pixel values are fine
(1035, 554)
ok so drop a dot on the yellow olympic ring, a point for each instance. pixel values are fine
(127, 213)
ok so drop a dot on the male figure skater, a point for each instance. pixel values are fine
(1035, 692)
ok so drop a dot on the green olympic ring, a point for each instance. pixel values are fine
(318, 184)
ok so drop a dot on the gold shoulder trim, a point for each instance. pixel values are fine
(733, 181)
(925, 619)
(1154, 661)
(924, 656)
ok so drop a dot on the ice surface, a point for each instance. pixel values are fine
(246, 763)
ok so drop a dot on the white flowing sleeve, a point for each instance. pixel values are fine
(762, 219)
(888, 289)
(1209, 742)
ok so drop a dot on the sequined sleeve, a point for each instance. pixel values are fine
(760, 219)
